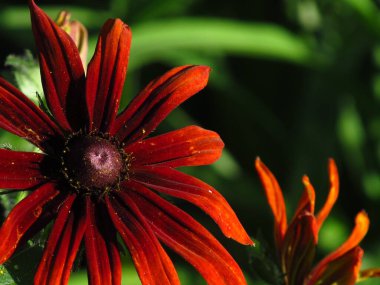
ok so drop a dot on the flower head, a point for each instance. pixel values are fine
(296, 242)
(100, 176)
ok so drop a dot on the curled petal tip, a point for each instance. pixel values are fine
(332, 161)
(258, 163)
(362, 220)
(333, 169)
(203, 70)
(305, 180)
(32, 4)
(251, 243)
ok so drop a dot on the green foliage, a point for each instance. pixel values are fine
(26, 72)
(5, 277)
(212, 36)
(19, 270)
(294, 82)
(263, 263)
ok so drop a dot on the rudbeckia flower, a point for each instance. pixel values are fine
(296, 242)
(99, 176)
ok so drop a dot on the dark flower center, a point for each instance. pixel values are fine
(92, 162)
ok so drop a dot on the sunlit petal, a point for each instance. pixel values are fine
(106, 74)
(333, 194)
(275, 199)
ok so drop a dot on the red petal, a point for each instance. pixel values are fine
(298, 248)
(103, 261)
(157, 100)
(333, 194)
(22, 217)
(106, 73)
(49, 212)
(275, 199)
(21, 117)
(114, 256)
(20, 170)
(62, 245)
(180, 185)
(188, 238)
(62, 71)
(189, 146)
(358, 233)
(343, 270)
(151, 261)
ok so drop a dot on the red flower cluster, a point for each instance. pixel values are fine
(296, 242)
(99, 176)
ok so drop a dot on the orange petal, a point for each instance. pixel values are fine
(343, 270)
(333, 194)
(184, 235)
(358, 233)
(177, 184)
(189, 146)
(148, 109)
(275, 200)
(152, 263)
(307, 201)
(369, 273)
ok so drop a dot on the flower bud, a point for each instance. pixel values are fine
(77, 32)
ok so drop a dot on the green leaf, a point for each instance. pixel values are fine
(263, 264)
(18, 17)
(152, 40)
(22, 266)
(5, 277)
(26, 72)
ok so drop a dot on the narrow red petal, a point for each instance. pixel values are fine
(100, 251)
(62, 72)
(62, 245)
(20, 170)
(307, 201)
(357, 234)
(22, 217)
(151, 261)
(369, 273)
(190, 146)
(343, 270)
(106, 74)
(99, 269)
(21, 117)
(49, 212)
(298, 248)
(184, 235)
(114, 255)
(107, 229)
(333, 194)
(157, 100)
(162, 257)
(172, 182)
(275, 199)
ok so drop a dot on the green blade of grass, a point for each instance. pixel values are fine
(151, 40)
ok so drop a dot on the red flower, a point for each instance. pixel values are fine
(99, 175)
(296, 243)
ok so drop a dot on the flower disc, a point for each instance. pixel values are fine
(92, 162)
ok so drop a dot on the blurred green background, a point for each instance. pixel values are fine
(294, 82)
